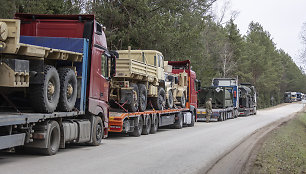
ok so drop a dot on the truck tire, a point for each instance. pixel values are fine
(170, 100)
(154, 126)
(147, 128)
(179, 123)
(53, 139)
(160, 101)
(68, 89)
(138, 129)
(143, 97)
(45, 97)
(133, 106)
(182, 100)
(98, 132)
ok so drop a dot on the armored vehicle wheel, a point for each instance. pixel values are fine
(138, 129)
(182, 100)
(160, 101)
(97, 132)
(134, 100)
(170, 99)
(154, 126)
(143, 97)
(68, 89)
(44, 97)
(53, 139)
(147, 127)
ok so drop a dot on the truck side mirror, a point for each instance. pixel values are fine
(113, 57)
(198, 85)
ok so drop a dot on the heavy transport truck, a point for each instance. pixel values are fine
(223, 111)
(141, 79)
(222, 103)
(148, 121)
(54, 81)
(247, 100)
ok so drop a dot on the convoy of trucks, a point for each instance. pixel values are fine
(290, 97)
(60, 84)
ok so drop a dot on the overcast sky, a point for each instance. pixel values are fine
(282, 19)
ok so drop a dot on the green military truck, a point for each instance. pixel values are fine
(222, 103)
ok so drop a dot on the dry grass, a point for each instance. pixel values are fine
(284, 150)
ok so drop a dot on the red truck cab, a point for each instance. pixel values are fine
(179, 67)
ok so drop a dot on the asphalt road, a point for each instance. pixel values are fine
(188, 150)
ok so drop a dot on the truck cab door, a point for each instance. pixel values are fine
(99, 72)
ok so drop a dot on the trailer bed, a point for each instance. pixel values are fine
(15, 118)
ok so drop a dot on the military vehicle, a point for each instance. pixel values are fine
(247, 100)
(222, 103)
(287, 97)
(140, 79)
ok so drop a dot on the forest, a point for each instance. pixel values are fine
(186, 29)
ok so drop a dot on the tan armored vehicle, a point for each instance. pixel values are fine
(176, 87)
(139, 77)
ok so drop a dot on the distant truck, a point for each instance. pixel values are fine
(54, 81)
(148, 121)
(222, 103)
(299, 96)
(247, 100)
(293, 96)
(287, 97)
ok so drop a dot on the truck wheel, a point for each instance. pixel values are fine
(160, 101)
(179, 123)
(154, 126)
(53, 140)
(133, 106)
(192, 119)
(98, 131)
(170, 100)
(147, 127)
(143, 97)
(182, 100)
(138, 129)
(68, 89)
(44, 97)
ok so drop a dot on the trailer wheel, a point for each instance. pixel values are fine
(160, 101)
(98, 131)
(133, 106)
(45, 97)
(179, 123)
(138, 129)
(147, 127)
(154, 126)
(53, 139)
(170, 100)
(143, 97)
(68, 89)
(182, 100)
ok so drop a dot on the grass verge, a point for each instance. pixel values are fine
(284, 150)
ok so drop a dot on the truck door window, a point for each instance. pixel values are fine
(155, 61)
(161, 61)
(104, 65)
(99, 29)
